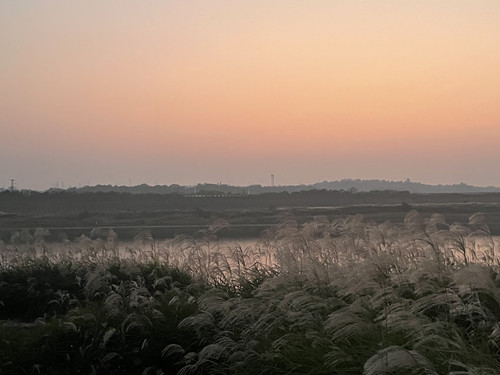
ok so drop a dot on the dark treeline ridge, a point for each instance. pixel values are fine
(345, 184)
(70, 202)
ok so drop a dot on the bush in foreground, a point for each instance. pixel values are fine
(341, 297)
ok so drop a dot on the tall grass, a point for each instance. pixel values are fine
(327, 297)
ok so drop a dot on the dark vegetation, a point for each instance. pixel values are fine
(345, 184)
(342, 296)
(69, 214)
(66, 202)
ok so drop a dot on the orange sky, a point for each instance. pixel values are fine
(206, 91)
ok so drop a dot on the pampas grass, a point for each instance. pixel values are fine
(326, 297)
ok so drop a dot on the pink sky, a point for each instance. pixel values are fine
(207, 91)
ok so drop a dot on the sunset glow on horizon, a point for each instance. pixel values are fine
(164, 92)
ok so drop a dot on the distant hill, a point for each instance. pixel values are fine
(346, 184)
(412, 187)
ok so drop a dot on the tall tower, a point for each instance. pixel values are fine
(12, 186)
(272, 180)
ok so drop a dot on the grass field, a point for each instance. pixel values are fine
(243, 223)
(328, 296)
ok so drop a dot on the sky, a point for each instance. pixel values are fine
(167, 91)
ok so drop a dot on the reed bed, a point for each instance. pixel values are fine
(327, 297)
